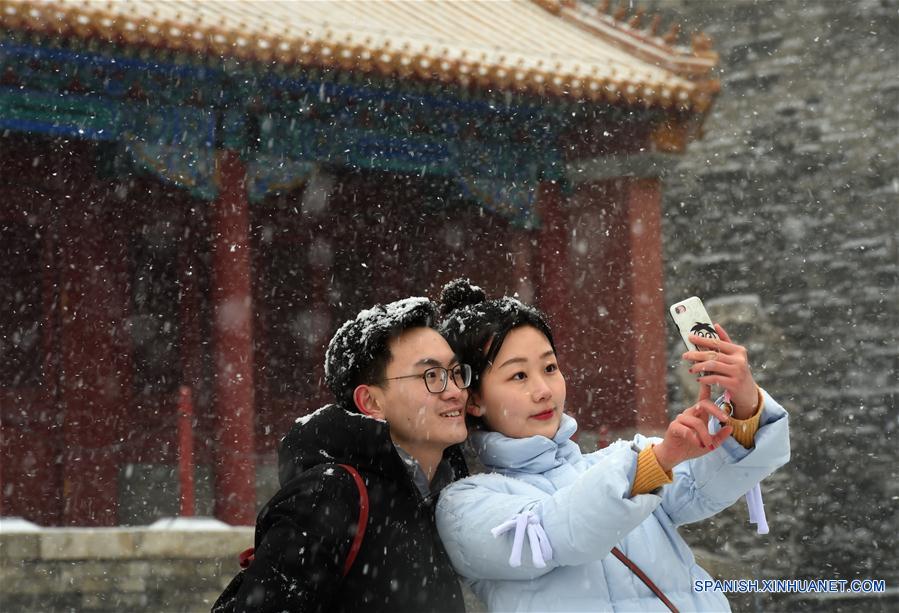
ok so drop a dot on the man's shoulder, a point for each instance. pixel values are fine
(333, 435)
(325, 476)
(323, 484)
(303, 425)
(335, 480)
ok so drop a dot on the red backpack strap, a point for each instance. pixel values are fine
(644, 578)
(363, 518)
(247, 556)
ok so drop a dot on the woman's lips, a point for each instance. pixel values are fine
(544, 415)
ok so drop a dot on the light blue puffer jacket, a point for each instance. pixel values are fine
(583, 504)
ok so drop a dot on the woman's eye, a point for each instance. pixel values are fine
(552, 367)
(519, 376)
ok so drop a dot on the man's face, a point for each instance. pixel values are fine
(416, 416)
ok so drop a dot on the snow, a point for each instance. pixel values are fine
(304, 419)
(358, 339)
(459, 318)
(376, 318)
(12, 525)
(17, 525)
(189, 524)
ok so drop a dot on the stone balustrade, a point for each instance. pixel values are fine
(172, 566)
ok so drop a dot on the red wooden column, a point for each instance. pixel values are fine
(190, 311)
(642, 200)
(235, 467)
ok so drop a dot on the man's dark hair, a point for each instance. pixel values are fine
(359, 351)
(470, 322)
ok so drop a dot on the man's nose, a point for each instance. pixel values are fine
(452, 390)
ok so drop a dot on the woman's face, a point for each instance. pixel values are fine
(523, 392)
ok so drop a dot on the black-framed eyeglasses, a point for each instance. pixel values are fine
(437, 377)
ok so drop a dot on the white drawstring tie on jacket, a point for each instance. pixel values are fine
(527, 521)
(754, 495)
(757, 509)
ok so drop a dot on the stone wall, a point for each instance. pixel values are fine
(785, 219)
(117, 569)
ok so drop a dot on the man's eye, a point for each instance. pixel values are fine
(432, 375)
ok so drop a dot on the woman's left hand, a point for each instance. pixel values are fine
(723, 362)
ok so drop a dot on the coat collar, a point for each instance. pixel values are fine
(334, 435)
(535, 454)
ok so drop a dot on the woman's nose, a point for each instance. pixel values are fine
(541, 391)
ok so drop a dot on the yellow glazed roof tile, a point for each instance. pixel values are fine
(556, 47)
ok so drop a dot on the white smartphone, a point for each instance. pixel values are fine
(690, 317)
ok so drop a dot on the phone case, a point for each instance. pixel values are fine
(690, 317)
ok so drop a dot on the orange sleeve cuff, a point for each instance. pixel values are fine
(745, 429)
(649, 474)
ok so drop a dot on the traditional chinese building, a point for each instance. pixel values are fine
(197, 193)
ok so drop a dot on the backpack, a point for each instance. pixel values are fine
(227, 602)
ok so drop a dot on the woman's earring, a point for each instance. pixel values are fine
(476, 410)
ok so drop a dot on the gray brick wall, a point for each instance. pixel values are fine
(785, 217)
(117, 569)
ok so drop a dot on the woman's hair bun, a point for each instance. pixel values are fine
(460, 293)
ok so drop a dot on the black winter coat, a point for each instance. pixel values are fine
(303, 535)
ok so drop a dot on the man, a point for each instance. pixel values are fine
(398, 419)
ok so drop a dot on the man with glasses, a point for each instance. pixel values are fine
(398, 419)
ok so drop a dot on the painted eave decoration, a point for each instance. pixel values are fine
(558, 48)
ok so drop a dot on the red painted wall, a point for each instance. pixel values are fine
(379, 237)
(96, 393)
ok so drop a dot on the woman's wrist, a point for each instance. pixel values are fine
(747, 405)
(745, 429)
(665, 462)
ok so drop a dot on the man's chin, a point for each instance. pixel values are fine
(459, 440)
(457, 435)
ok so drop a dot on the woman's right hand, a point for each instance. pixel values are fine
(688, 437)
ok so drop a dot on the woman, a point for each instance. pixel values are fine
(592, 522)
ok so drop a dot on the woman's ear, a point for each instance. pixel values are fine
(365, 400)
(474, 407)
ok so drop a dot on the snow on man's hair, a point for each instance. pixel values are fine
(360, 342)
